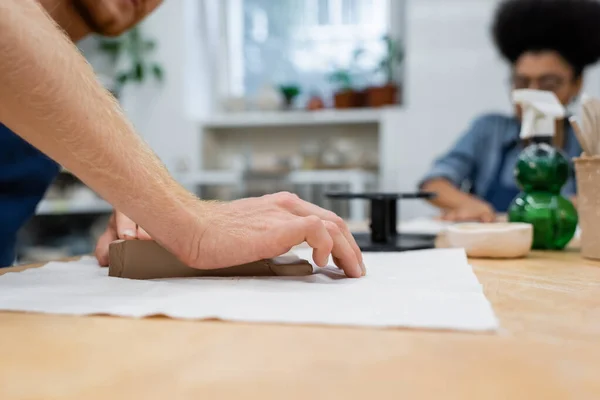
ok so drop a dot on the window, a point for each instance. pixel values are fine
(302, 41)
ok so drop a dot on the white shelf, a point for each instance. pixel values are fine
(325, 176)
(332, 176)
(212, 177)
(294, 118)
(66, 207)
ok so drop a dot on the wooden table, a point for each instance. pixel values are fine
(548, 348)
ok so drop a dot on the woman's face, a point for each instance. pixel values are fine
(114, 17)
(546, 70)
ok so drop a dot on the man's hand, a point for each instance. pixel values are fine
(119, 227)
(251, 229)
(472, 210)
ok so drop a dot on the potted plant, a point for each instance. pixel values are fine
(131, 50)
(346, 95)
(289, 92)
(387, 94)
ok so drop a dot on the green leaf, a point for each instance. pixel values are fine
(110, 46)
(400, 53)
(135, 47)
(158, 72)
(122, 78)
(389, 42)
(135, 33)
(149, 45)
(356, 54)
(342, 78)
(289, 91)
(139, 72)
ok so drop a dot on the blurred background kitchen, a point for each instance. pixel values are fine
(246, 97)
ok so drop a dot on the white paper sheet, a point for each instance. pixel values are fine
(424, 289)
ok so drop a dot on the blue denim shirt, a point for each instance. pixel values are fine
(476, 156)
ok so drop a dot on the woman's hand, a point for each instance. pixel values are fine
(472, 210)
(119, 227)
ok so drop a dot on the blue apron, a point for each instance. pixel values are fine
(25, 175)
(499, 195)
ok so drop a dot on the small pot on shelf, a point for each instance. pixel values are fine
(360, 99)
(390, 93)
(315, 103)
(380, 96)
(348, 98)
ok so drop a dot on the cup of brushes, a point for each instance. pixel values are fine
(587, 172)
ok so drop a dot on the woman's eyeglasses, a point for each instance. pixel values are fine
(549, 83)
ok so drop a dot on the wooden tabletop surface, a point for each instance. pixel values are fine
(548, 348)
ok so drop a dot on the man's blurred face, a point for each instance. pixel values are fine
(114, 17)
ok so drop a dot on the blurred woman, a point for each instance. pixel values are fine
(549, 44)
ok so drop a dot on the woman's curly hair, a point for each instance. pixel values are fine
(569, 27)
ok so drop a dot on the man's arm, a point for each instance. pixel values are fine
(50, 97)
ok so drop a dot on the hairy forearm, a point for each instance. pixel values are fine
(50, 97)
(447, 196)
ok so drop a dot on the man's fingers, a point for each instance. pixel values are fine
(317, 237)
(102, 246)
(343, 254)
(126, 228)
(142, 234)
(112, 223)
(303, 208)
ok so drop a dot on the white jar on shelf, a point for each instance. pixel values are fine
(269, 98)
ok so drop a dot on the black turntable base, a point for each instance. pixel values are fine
(383, 235)
(396, 243)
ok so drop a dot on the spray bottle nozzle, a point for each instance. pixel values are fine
(541, 109)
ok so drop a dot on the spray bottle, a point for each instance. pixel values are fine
(541, 172)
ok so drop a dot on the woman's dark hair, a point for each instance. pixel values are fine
(569, 27)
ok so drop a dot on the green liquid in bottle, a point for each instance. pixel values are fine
(541, 171)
